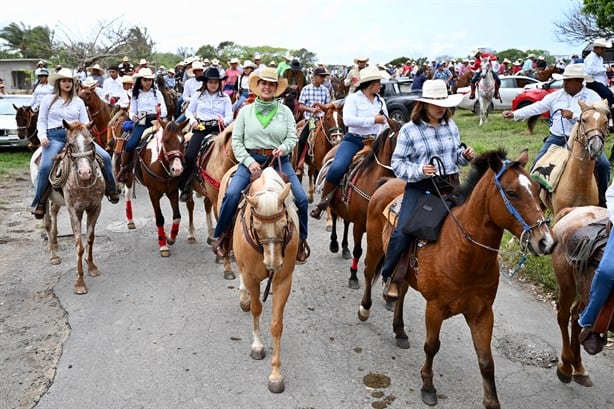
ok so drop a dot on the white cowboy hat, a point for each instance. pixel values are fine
(145, 73)
(601, 42)
(215, 61)
(436, 92)
(143, 61)
(288, 57)
(196, 65)
(573, 71)
(127, 79)
(531, 56)
(95, 67)
(234, 60)
(89, 82)
(249, 64)
(267, 74)
(63, 73)
(371, 74)
(125, 59)
(363, 59)
(506, 61)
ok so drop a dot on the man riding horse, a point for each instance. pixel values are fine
(477, 68)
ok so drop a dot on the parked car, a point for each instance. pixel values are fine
(8, 125)
(511, 86)
(399, 98)
(531, 95)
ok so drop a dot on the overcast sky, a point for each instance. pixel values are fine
(337, 31)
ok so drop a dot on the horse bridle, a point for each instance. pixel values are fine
(586, 134)
(251, 235)
(164, 158)
(90, 155)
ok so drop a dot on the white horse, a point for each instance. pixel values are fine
(486, 89)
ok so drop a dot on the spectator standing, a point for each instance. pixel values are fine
(593, 67)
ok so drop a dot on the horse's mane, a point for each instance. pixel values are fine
(601, 106)
(268, 197)
(480, 166)
(378, 145)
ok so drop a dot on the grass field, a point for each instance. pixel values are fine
(14, 159)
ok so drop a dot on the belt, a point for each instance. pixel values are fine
(264, 152)
(151, 116)
(211, 122)
(55, 129)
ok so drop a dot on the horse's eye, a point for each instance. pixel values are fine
(511, 194)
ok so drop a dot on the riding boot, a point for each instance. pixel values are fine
(328, 191)
(186, 187)
(41, 206)
(472, 95)
(497, 95)
(126, 168)
(221, 246)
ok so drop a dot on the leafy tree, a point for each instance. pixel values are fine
(28, 42)
(603, 10)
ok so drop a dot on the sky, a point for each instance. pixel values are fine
(337, 31)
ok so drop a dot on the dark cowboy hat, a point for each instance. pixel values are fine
(213, 74)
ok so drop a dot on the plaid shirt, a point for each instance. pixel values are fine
(418, 144)
(311, 94)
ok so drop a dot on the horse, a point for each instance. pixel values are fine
(170, 97)
(99, 113)
(486, 89)
(577, 185)
(340, 91)
(351, 203)
(546, 73)
(459, 273)
(265, 242)
(26, 119)
(574, 275)
(160, 164)
(465, 79)
(82, 190)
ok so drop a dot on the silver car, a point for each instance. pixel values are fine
(511, 86)
(8, 124)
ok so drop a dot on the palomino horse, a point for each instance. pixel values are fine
(265, 242)
(574, 275)
(546, 73)
(577, 185)
(352, 202)
(26, 120)
(486, 89)
(99, 113)
(82, 191)
(160, 164)
(459, 273)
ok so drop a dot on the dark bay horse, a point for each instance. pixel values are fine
(170, 97)
(82, 189)
(99, 113)
(265, 242)
(459, 273)
(339, 89)
(26, 120)
(574, 275)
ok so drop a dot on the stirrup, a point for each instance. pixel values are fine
(391, 290)
(316, 212)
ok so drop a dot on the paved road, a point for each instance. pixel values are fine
(169, 333)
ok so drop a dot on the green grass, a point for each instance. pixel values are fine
(14, 160)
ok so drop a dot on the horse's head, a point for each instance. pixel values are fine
(23, 118)
(592, 127)
(485, 68)
(272, 217)
(81, 149)
(170, 143)
(332, 124)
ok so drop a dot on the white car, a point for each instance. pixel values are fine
(8, 124)
(511, 86)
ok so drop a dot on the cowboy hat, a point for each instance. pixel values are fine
(196, 65)
(125, 59)
(363, 59)
(601, 42)
(215, 61)
(234, 60)
(145, 73)
(573, 71)
(95, 67)
(267, 74)
(249, 64)
(257, 57)
(321, 71)
(531, 55)
(436, 92)
(214, 74)
(288, 57)
(42, 71)
(127, 79)
(61, 74)
(171, 71)
(89, 82)
(143, 61)
(371, 74)
(506, 61)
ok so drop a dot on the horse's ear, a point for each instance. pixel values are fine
(284, 194)
(66, 124)
(523, 158)
(582, 104)
(252, 200)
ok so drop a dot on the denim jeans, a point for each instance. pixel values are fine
(343, 158)
(242, 98)
(57, 141)
(239, 182)
(603, 282)
(602, 90)
(135, 137)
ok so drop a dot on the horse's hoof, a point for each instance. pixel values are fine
(583, 380)
(429, 397)
(165, 253)
(55, 260)
(346, 255)
(210, 240)
(389, 305)
(276, 386)
(245, 306)
(403, 343)
(191, 240)
(170, 241)
(257, 354)
(80, 290)
(562, 377)
(353, 284)
(329, 229)
(363, 313)
(334, 247)
(94, 272)
(219, 260)
(131, 225)
(229, 275)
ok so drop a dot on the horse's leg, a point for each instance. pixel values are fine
(311, 175)
(243, 295)
(51, 226)
(155, 202)
(75, 223)
(228, 273)
(433, 318)
(345, 249)
(257, 348)
(373, 258)
(190, 206)
(329, 222)
(173, 197)
(92, 218)
(398, 324)
(566, 297)
(356, 253)
(209, 219)
(334, 243)
(282, 287)
(580, 375)
(129, 215)
(481, 332)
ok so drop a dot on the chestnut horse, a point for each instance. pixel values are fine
(339, 89)
(459, 273)
(265, 242)
(26, 120)
(351, 204)
(546, 73)
(82, 190)
(465, 79)
(577, 185)
(159, 166)
(574, 280)
(99, 113)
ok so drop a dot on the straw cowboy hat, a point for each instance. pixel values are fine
(601, 42)
(215, 61)
(573, 71)
(42, 71)
(143, 61)
(95, 67)
(363, 59)
(249, 64)
(234, 60)
(531, 56)
(436, 92)
(196, 65)
(506, 61)
(89, 82)
(267, 74)
(63, 73)
(371, 74)
(288, 57)
(145, 73)
(125, 59)
(127, 79)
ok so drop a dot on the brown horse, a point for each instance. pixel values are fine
(339, 89)
(99, 113)
(574, 280)
(26, 120)
(265, 242)
(577, 185)
(459, 273)
(160, 164)
(546, 73)
(82, 191)
(465, 79)
(351, 204)
(170, 97)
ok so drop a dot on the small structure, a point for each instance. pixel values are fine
(18, 74)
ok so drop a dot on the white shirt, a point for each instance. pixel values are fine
(112, 88)
(359, 114)
(39, 93)
(593, 66)
(207, 107)
(146, 103)
(190, 87)
(51, 116)
(553, 103)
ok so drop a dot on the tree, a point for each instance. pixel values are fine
(582, 24)
(28, 42)
(603, 10)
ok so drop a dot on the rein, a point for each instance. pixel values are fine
(164, 158)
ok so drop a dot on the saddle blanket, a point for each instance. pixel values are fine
(548, 169)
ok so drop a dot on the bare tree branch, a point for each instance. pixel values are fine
(579, 27)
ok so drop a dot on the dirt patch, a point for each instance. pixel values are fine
(33, 325)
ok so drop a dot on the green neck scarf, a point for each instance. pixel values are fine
(265, 111)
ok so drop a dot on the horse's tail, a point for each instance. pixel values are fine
(531, 123)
